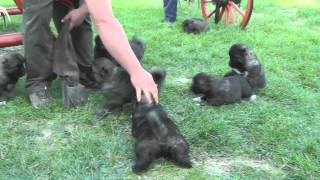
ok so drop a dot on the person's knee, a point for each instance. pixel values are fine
(37, 14)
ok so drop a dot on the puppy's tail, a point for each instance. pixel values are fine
(158, 128)
(158, 75)
(138, 42)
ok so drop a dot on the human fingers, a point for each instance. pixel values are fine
(138, 94)
(66, 18)
(148, 97)
(155, 94)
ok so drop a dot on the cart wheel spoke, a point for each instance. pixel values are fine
(212, 13)
(232, 4)
(230, 9)
(226, 15)
(233, 16)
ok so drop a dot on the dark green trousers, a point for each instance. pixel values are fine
(39, 42)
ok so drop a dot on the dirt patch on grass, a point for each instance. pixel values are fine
(223, 166)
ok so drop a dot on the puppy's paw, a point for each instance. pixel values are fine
(2, 103)
(101, 113)
(138, 169)
(253, 97)
(197, 99)
(185, 163)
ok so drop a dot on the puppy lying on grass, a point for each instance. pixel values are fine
(11, 69)
(218, 91)
(244, 60)
(195, 26)
(157, 136)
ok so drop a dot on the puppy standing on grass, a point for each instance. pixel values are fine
(218, 91)
(11, 69)
(115, 85)
(195, 26)
(243, 59)
(157, 136)
(113, 80)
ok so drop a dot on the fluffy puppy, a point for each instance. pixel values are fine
(243, 59)
(218, 91)
(11, 69)
(136, 44)
(115, 85)
(156, 134)
(195, 25)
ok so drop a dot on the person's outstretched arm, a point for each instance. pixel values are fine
(115, 40)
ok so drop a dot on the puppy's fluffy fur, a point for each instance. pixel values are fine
(113, 80)
(195, 25)
(115, 85)
(221, 90)
(157, 136)
(11, 69)
(243, 59)
(137, 45)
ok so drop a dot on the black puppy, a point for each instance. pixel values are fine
(11, 69)
(115, 85)
(243, 59)
(195, 25)
(157, 136)
(217, 91)
(136, 44)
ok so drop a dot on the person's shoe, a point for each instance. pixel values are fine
(73, 96)
(40, 97)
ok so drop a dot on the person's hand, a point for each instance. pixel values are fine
(75, 17)
(144, 83)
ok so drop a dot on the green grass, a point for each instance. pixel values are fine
(275, 137)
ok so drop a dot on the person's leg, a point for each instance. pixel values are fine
(82, 43)
(66, 61)
(64, 57)
(82, 38)
(38, 43)
(170, 10)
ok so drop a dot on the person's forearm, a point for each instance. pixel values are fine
(84, 8)
(112, 35)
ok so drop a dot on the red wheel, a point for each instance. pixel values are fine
(238, 12)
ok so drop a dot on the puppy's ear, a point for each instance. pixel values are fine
(5, 62)
(96, 72)
(158, 75)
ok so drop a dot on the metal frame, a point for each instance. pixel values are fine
(12, 39)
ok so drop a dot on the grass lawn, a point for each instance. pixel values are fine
(275, 137)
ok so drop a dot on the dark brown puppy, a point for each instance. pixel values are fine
(11, 69)
(195, 25)
(218, 91)
(157, 136)
(243, 59)
(136, 44)
(115, 85)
